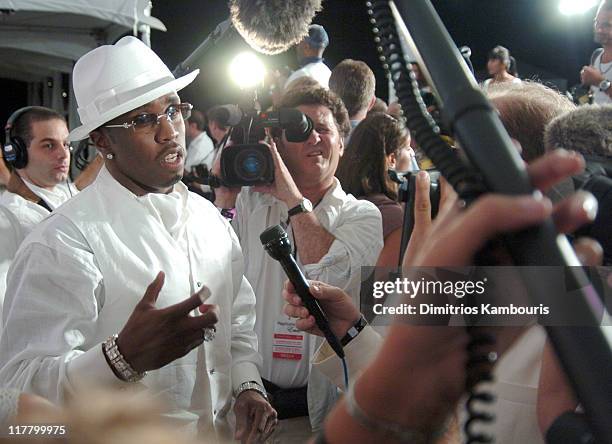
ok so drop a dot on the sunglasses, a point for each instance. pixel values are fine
(148, 121)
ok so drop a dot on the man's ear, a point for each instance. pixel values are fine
(102, 141)
(372, 102)
(341, 151)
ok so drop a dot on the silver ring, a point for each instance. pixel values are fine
(209, 333)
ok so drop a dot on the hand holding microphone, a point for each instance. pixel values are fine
(277, 244)
(338, 306)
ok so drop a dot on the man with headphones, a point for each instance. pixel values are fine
(37, 150)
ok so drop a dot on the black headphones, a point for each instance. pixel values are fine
(15, 151)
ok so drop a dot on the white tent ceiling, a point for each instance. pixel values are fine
(42, 36)
(40, 40)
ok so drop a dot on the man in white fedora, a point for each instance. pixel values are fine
(75, 314)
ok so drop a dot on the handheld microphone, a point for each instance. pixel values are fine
(277, 244)
(273, 26)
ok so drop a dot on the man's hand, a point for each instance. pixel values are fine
(491, 215)
(591, 76)
(154, 337)
(337, 305)
(255, 417)
(283, 187)
(422, 209)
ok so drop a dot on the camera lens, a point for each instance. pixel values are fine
(250, 164)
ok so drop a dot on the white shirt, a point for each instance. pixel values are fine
(19, 217)
(599, 97)
(515, 386)
(201, 150)
(29, 213)
(9, 403)
(357, 227)
(514, 81)
(77, 277)
(317, 70)
(11, 235)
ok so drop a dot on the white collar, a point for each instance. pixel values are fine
(54, 197)
(170, 209)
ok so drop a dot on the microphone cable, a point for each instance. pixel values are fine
(466, 181)
(478, 371)
(346, 374)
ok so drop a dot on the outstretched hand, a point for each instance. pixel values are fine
(154, 337)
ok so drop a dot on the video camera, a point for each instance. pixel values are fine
(250, 162)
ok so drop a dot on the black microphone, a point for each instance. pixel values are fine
(272, 27)
(277, 244)
(296, 124)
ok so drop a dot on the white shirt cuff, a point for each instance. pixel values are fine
(359, 352)
(243, 372)
(91, 369)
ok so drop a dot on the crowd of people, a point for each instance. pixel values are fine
(138, 300)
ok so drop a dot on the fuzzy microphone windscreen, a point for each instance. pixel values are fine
(273, 26)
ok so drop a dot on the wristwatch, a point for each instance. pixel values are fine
(251, 385)
(305, 206)
(605, 85)
(354, 330)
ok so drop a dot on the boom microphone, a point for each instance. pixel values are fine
(268, 26)
(223, 32)
(273, 26)
(277, 244)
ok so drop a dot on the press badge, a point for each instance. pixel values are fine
(288, 341)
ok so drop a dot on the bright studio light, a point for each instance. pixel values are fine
(575, 7)
(246, 70)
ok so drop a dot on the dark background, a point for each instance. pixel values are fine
(534, 31)
(542, 40)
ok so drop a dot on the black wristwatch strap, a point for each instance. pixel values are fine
(295, 210)
(354, 330)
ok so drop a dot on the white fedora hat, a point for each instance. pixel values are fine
(114, 79)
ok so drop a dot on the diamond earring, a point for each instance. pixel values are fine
(110, 156)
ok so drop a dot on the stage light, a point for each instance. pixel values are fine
(247, 71)
(575, 7)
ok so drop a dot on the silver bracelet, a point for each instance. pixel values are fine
(389, 429)
(251, 385)
(118, 362)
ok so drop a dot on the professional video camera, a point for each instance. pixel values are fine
(250, 162)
